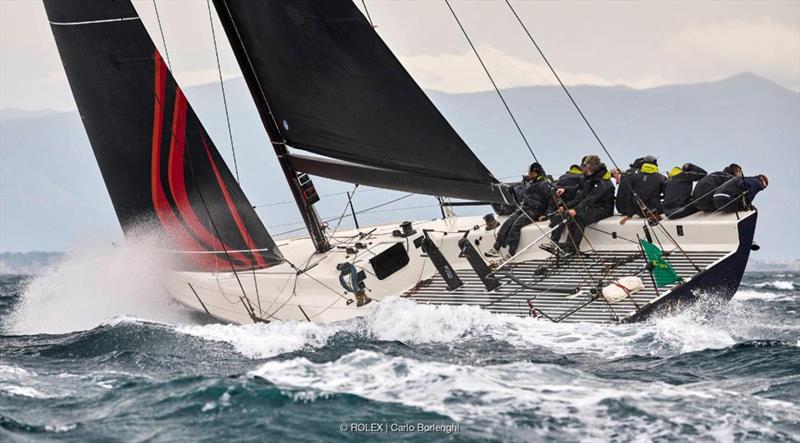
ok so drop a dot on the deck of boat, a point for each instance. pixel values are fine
(550, 283)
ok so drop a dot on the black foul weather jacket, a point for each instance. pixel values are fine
(594, 200)
(624, 201)
(569, 181)
(678, 189)
(536, 198)
(703, 194)
(648, 185)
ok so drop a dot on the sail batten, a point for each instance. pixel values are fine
(331, 86)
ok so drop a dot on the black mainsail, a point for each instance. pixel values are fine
(158, 163)
(327, 84)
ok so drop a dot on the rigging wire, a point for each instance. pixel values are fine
(525, 140)
(244, 298)
(641, 203)
(491, 79)
(499, 93)
(574, 103)
(163, 39)
(222, 86)
(248, 306)
(364, 2)
(370, 209)
(344, 211)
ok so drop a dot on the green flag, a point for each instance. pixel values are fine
(663, 273)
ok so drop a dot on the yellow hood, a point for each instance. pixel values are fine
(649, 168)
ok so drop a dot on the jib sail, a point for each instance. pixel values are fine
(158, 163)
(326, 81)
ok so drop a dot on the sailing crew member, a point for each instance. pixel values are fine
(678, 190)
(569, 181)
(647, 190)
(703, 194)
(624, 200)
(733, 169)
(743, 189)
(593, 202)
(535, 201)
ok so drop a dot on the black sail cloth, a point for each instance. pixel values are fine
(327, 83)
(159, 165)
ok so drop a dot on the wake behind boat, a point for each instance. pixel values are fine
(325, 83)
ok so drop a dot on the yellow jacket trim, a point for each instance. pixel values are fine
(675, 171)
(649, 168)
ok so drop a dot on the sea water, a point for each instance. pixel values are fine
(91, 351)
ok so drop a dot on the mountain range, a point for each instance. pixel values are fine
(52, 196)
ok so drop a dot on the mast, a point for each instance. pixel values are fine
(307, 211)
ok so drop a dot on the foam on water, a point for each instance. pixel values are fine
(22, 391)
(783, 285)
(262, 340)
(748, 294)
(95, 283)
(402, 320)
(743, 392)
(476, 394)
(409, 322)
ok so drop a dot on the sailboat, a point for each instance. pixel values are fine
(336, 103)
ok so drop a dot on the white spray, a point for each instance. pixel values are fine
(97, 282)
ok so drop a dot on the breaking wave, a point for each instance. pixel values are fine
(404, 321)
(558, 401)
(95, 283)
(726, 373)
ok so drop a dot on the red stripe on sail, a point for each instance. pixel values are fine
(177, 180)
(232, 207)
(160, 203)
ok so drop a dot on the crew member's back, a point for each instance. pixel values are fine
(703, 194)
(678, 190)
(648, 186)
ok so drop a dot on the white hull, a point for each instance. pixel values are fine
(280, 293)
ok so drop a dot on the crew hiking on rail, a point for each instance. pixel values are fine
(585, 194)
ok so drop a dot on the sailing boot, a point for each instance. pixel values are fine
(552, 248)
(362, 299)
(566, 249)
(492, 253)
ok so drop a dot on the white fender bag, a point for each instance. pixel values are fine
(622, 289)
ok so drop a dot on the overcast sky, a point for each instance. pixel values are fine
(639, 44)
